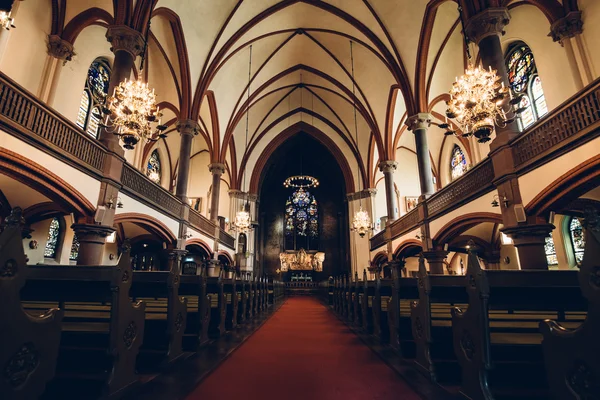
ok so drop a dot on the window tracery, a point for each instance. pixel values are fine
(524, 80)
(577, 239)
(550, 250)
(458, 163)
(302, 215)
(74, 249)
(93, 97)
(53, 238)
(154, 169)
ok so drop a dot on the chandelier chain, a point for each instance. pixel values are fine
(355, 121)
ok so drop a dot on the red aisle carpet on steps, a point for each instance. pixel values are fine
(303, 352)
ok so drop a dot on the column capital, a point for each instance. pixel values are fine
(60, 48)
(528, 234)
(188, 127)
(252, 197)
(363, 194)
(388, 166)
(567, 27)
(124, 38)
(419, 121)
(487, 23)
(216, 168)
(435, 255)
(236, 193)
(92, 231)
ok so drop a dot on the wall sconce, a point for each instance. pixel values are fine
(110, 204)
(496, 201)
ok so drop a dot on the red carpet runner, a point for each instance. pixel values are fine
(303, 352)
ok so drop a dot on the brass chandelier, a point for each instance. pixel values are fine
(131, 112)
(478, 101)
(301, 181)
(361, 223)
(242, 222)
(6, 21)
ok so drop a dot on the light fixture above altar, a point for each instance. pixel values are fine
(301, 182)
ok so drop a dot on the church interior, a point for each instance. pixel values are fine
(326, 199)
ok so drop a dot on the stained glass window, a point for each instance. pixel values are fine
(93, 96)
(153, 171)
(302, 214)
(52, 242)
(523, 80)
(577, 239)
(550, 251)
(74, 249)
(458, 163)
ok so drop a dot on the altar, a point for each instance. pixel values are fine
(301, 260)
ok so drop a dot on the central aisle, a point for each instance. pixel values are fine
(303, 352)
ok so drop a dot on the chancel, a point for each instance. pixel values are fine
(369, 199)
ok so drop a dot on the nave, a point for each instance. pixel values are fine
(304, 352)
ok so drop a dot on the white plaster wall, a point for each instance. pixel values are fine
(200, 180)
(590, 10)
(85, 184)
(537, 180)
(130, 205)
(197, 235)
(481, 204)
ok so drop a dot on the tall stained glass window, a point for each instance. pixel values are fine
(93, 97)
(302, 215)
(550, 251)
(74, 249)
(153, 170)
(53, 237)
(577, 239)
(458, 163)
(524, 80)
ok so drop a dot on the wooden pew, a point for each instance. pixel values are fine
(242, 284)
(29, 342)
(194, 288)
(336, 302)
(102, 330)
(231, 300)
(356, 302)
(218, 306)
(383, 291)
(349, 299)
(431, 323)
(403, 292)
(366, 303)
(572, 356)
(497, 341)
(251, 298)
(165, 317)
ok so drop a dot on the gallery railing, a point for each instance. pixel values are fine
(226, 238)
(201, 223)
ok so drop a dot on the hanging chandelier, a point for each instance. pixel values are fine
(478, 101)
(242, 222)
(361, 223)
(301, 181)
(131, 112)
(6, 21)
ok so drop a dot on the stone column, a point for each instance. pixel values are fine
(418, 124)
(529, 241)
(187, 128)
(127, 44)
(388, 168)
(216, 169)
(567, 31)
(59, 50)
(91, 242)
(435, 259)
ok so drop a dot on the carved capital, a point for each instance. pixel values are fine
(528, 234)
(60, 48)
(91, 232)
(123, 38)
(388, 166)
(487, 23)
(419, 121)
(216, 168)
(235, 194)
(252, 197)
(566, 27)
(363, 194)
(188, 127)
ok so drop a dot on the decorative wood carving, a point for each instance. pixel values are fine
(420, 314)
(201, 223)
(139, 185)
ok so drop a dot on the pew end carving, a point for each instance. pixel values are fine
(421, 322)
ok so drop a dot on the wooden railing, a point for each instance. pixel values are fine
(408, 222)
(137, 184)
(24, 113)
(226, 239)
(201, 223)
(378, 240)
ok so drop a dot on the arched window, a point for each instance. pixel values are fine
(577, 239)
(53, 239)
(550, 251)
(458, 163)
(153, 171)
(74, 249)
(524, 80)
(93, 97)
(301, 220)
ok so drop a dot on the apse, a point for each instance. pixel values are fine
(313, 219)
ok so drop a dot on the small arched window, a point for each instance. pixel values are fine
(550, 251)
(154, 171)
(524, 80)
(54, 234)
(93, 97)
(577, 239)
(74, 249)
(458, 163)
